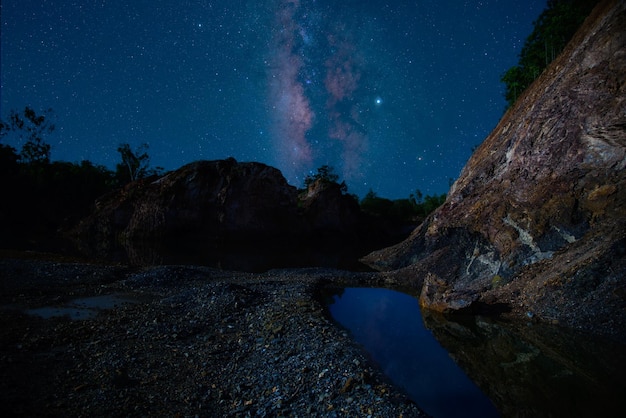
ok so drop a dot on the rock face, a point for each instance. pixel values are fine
(223, 207)
(327, 209)
(220, 199)
(536, 222)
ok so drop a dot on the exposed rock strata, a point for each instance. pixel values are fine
(535, 223)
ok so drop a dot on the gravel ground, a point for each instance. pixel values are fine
(192, 341)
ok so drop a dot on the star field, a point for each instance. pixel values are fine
(393, 95)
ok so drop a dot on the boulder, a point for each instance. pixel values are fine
(535, 224)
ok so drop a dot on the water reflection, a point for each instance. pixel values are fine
(537, 370)
(388, 324)
(526, 369)
(81, 309)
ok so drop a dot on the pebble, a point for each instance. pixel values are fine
(200, 342)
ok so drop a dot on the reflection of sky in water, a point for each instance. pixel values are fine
(389, 325)
(80, 309)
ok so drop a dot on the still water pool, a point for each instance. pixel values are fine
(480, 367)
(389, 326)
(81, 309)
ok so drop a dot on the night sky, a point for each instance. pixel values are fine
(392, 94)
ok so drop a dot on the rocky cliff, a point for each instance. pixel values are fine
(327, 209)
(231, 210)
(535, 224)
(219, 199)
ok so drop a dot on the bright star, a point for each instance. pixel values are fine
(378, 101)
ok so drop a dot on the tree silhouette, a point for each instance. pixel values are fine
(134, 164)
(551, 32)
(31, 129)
(326, 174)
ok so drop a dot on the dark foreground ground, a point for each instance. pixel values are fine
(191, 341)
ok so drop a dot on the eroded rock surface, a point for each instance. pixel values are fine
(327, 209)
(223, 209)
(221, 198)
(535, 223)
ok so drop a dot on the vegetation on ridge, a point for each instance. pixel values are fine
(552, 31)
(43, 196)
(409, 210)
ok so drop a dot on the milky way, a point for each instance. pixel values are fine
(392, 94)
(291, 109)
(301, 45)
(342, 81)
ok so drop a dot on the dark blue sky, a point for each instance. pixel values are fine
(392, 94)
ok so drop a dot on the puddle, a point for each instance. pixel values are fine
(389, 325)
(82, 308)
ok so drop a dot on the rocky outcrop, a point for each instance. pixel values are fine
(327, 209)
(535, 223)
(217, 199)
(230, 214)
